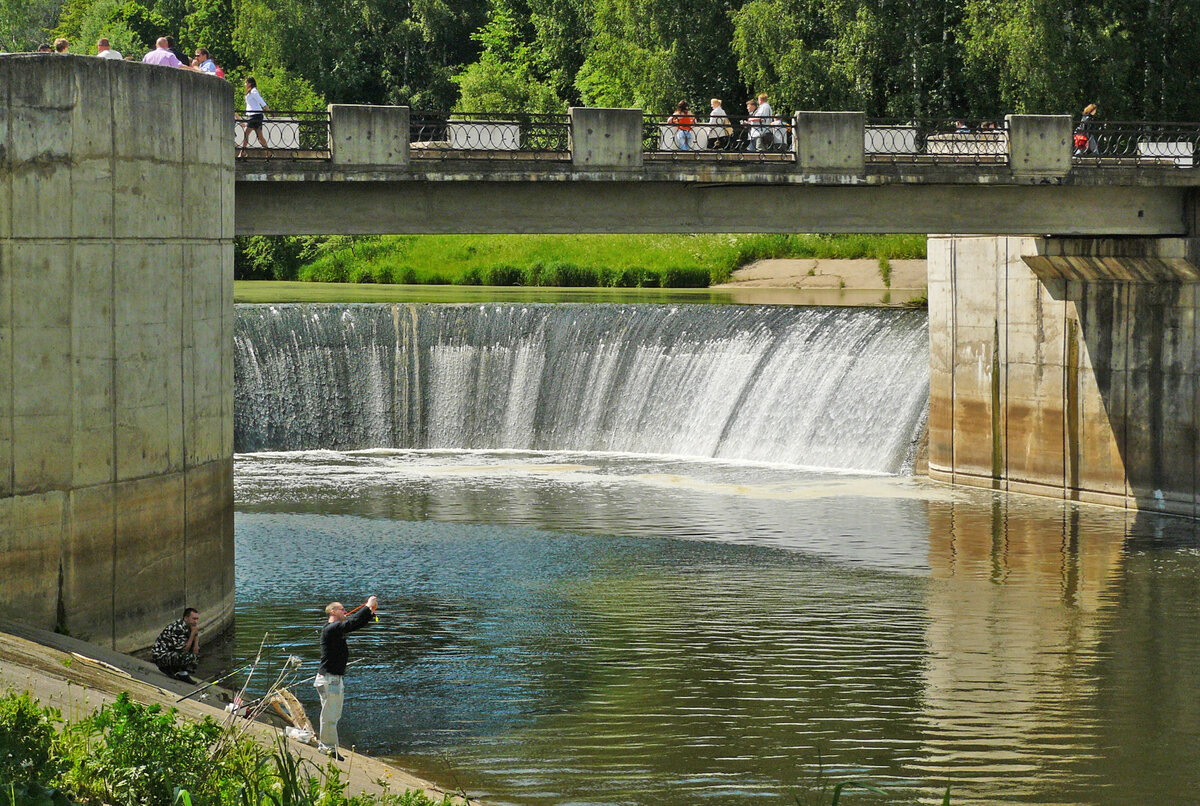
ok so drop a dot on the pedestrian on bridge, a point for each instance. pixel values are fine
(255, 107)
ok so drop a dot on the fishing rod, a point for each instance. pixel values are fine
(255, 702)
(242, 668)
(207, 686)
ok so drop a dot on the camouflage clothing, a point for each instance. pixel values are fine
(167, 652)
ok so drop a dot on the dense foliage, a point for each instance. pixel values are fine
(128, 754)
(941, 58)
(620, 261)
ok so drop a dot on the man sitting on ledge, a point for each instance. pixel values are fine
(177, 648)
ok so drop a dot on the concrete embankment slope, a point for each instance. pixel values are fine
(78, 678)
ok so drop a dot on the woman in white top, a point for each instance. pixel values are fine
(719, 130)
(255, 106)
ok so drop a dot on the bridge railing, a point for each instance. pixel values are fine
(735, 139)
(1114, 143)
(290, 135)
(489, 135)
(936, 142)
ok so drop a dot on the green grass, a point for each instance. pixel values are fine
(620, 261)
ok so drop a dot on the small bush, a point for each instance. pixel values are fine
(26, 738)
(471, 276)
(142, 755)
(503, 275)
(533, 273)
(684, 277)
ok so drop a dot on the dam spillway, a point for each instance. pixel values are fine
(820, 387)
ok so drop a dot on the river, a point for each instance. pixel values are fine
(681, 609)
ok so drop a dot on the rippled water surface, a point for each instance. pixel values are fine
(584, 628)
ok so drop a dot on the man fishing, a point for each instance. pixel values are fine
(335, 654)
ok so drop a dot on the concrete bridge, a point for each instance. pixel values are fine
(1065, 357)
(380, 170)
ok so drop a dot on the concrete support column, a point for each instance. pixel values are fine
(116, 347)
(1067, 367)
(606, 138)
(369, 135)
(829, 142)
(1039, 145)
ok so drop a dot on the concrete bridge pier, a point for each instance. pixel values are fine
(1067, 367)
(116, 334)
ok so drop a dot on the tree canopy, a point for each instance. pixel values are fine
(1137, 59)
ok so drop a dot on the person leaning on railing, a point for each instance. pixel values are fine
(720, 132)
(682, 120)
(762, 135)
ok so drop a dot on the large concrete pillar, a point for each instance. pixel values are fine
(116, 332)
(1066, 367)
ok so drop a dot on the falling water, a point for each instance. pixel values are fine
(821, 387)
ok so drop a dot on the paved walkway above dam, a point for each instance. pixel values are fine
(376, 170)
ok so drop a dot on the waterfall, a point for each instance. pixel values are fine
(823, 387)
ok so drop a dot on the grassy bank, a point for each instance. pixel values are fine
(128, 754)
(622, 261)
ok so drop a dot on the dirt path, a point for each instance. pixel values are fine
(77, 678)
(906, 275)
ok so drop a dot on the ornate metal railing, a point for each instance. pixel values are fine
(936, 142)
(734, 139)
(288, 135)
(1136, 143)
(516, 136)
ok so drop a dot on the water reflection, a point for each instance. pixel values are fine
(598, 629)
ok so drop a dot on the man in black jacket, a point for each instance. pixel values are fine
(334, 656)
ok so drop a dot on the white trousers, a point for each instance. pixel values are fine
(332, 689)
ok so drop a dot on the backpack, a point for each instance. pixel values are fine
(220, 72)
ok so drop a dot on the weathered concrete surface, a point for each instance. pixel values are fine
(329, 202)
(1040, 145)
(116, 323)
(369, 135)
(1046, 383)
(829, 141)
(606, 138)
(78, 678)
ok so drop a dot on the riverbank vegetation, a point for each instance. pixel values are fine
(128, 754)
(617, 261)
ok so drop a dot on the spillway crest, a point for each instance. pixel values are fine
(823, 387)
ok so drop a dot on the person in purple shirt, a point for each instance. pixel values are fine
(162, 56)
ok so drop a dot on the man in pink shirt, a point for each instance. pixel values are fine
(162, 55)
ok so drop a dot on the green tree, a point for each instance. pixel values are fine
(653, 53)
(363, 51)
(505, 77)
(129, 26)
(209, 24)
(24, 24)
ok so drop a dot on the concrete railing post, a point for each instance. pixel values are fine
(829, 142)
(368, 135)
(606, 138)
(1039, 145)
